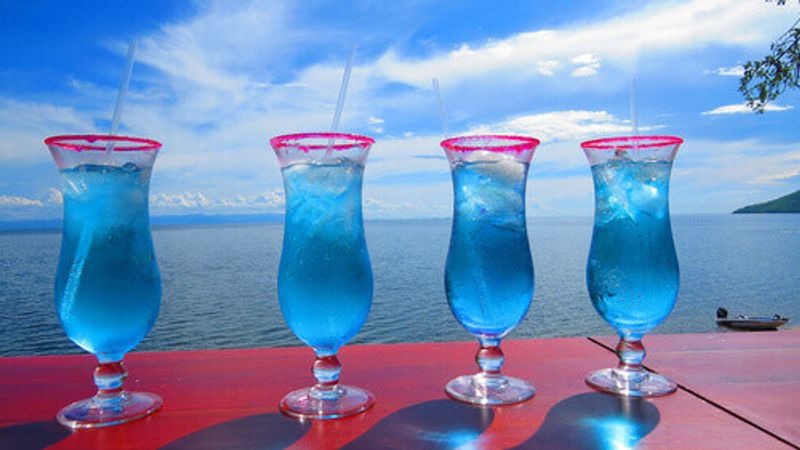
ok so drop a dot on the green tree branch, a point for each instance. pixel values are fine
(766, 79)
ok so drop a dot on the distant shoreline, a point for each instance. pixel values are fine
(174, 221)
(788, 204)
(210, 220)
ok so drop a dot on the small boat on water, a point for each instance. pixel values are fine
(749, 323)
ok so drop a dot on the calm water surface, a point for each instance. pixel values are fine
(220, 282)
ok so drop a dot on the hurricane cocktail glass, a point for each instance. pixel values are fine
(632, 272)
(108, 287)
(325, 276)
(489, 270)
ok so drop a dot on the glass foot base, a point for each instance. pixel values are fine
(87, 414)
(300, 405)
(654, 385)
(474, 390)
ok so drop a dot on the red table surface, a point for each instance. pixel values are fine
(228, 399)
(754, 375)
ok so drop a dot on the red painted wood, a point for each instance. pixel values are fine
(228, 399)
(753, 374)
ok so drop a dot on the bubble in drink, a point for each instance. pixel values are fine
(324, 251)
(108, 287)
(632, 273)
(489, 272)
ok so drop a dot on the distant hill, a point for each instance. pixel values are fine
(156, 221)
(786, 204)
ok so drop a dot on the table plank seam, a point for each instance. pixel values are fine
(710, 401)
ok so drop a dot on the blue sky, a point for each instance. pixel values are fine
(214, 81)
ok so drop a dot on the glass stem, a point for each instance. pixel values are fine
(109, 378)
(629, 372)
(490, 359)
(326, 370)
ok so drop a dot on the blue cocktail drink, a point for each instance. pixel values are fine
(633, 269)
(489, 257)
(325, 276)
(632, 273)
(108, 287)
(489, 270)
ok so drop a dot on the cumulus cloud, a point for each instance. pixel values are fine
(375, 124)
(732, 71)
(743, 109)
(11, 200)
(588, 65)
(548, 67)
(54, 197)
(220, 83)
(185, 200)
(563, 125)
(200, 201)
(620, 40)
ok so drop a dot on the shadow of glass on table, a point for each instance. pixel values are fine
(261, 431)
(437, 424)
(595, 421)
(33, 435)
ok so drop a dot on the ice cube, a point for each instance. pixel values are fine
(500, 167)
(617, 184)
(511, 222)
(130, 167)
(647, 199)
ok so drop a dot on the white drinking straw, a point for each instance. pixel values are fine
(440, 104)
(123, 90)
(632, 100)
(337, 115)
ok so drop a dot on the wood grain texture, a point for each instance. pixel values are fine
(228, 399)
(755, 375)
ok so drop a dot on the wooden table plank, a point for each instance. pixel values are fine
(228, 399)
(753, 375)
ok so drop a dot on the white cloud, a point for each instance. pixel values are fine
(780, 177)
(214, 48)
(216, 97)
(548, 67)
(24, 125)
(584, 71)
(201, 201)
(54, 197)
(270, 199)
(563, 125)
(586, 59)
(185, 200)
(666, 27)
(743, 109)
(10, 200)
(732, 71)
(376, 123)
(589, 64)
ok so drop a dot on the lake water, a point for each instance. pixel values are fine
(219, 282)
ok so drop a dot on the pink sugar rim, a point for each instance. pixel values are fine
(291, 140)
(522, 143)
(65, 142)
(613, 143)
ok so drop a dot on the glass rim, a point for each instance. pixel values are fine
(81, 142)
(520, 143)
(294, 140)
(631, 142)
